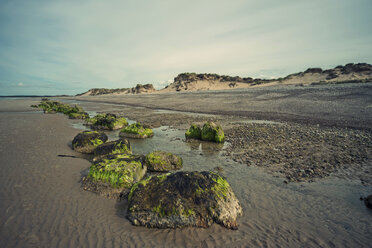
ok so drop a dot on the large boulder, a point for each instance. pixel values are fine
(136, 131)
(183, 199)
(194, 132)
(212, 132)
(107, 122)
(114, 175)
(121, 146)
(160, 161)
(87, 141)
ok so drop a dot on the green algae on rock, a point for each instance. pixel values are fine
(121, 146)
(107, 122)
(114, 175)
(160, 161)
(136, 131)
(51, 107)
(183, 199)
(87, 141)
(194, 132)
(212, 132)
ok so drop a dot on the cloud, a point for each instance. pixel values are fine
(75, 45)
(20, 84)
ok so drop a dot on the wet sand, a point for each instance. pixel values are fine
(43, 205)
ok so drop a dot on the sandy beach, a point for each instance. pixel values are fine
(43, 205)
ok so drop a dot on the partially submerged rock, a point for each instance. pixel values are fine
(114, 175)
(183, 199)
(210, 132)
(107, 122)
(194, 132)
(136, 131)
(121, 146)
(160, 161)
(87, 141)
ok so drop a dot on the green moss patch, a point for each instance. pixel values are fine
(86, 142)
(74, 112)
(117, 172)
(121, 146)
(212, 132)
(163, 161)
(194, 132)
(136, 130)
(107, 121)
(183, 199)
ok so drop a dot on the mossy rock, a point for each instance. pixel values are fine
(160, 161)
(194, 132)
(80, 115)
(115, 172)
(212, 132)
(107, 122)
(52, 107)
(87, 141)
(183, 199)
(136, 131)
(121, 146)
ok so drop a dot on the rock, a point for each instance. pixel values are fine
(160, 161)
(75, 112)
(121, 146)
(183, 199)
(87, 141)
(107, 121)
(368, 201)
(194, 132)
(80, 115)
(136, 131)
(212, 132)
(114, 175)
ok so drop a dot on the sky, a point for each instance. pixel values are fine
(67, 47)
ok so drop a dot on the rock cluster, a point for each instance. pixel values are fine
(162, 200)
(52, 107)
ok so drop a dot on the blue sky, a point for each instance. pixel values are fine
(67, 47)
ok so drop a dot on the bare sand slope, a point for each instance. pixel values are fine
(345, 105)
(42, 204)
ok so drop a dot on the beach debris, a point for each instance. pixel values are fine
(107, 121)
(87, 141)
(160, 161)
(183, 199)
(210, 132)
(113, 175)
(136, 131)
(121, 146)
(52, 107)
